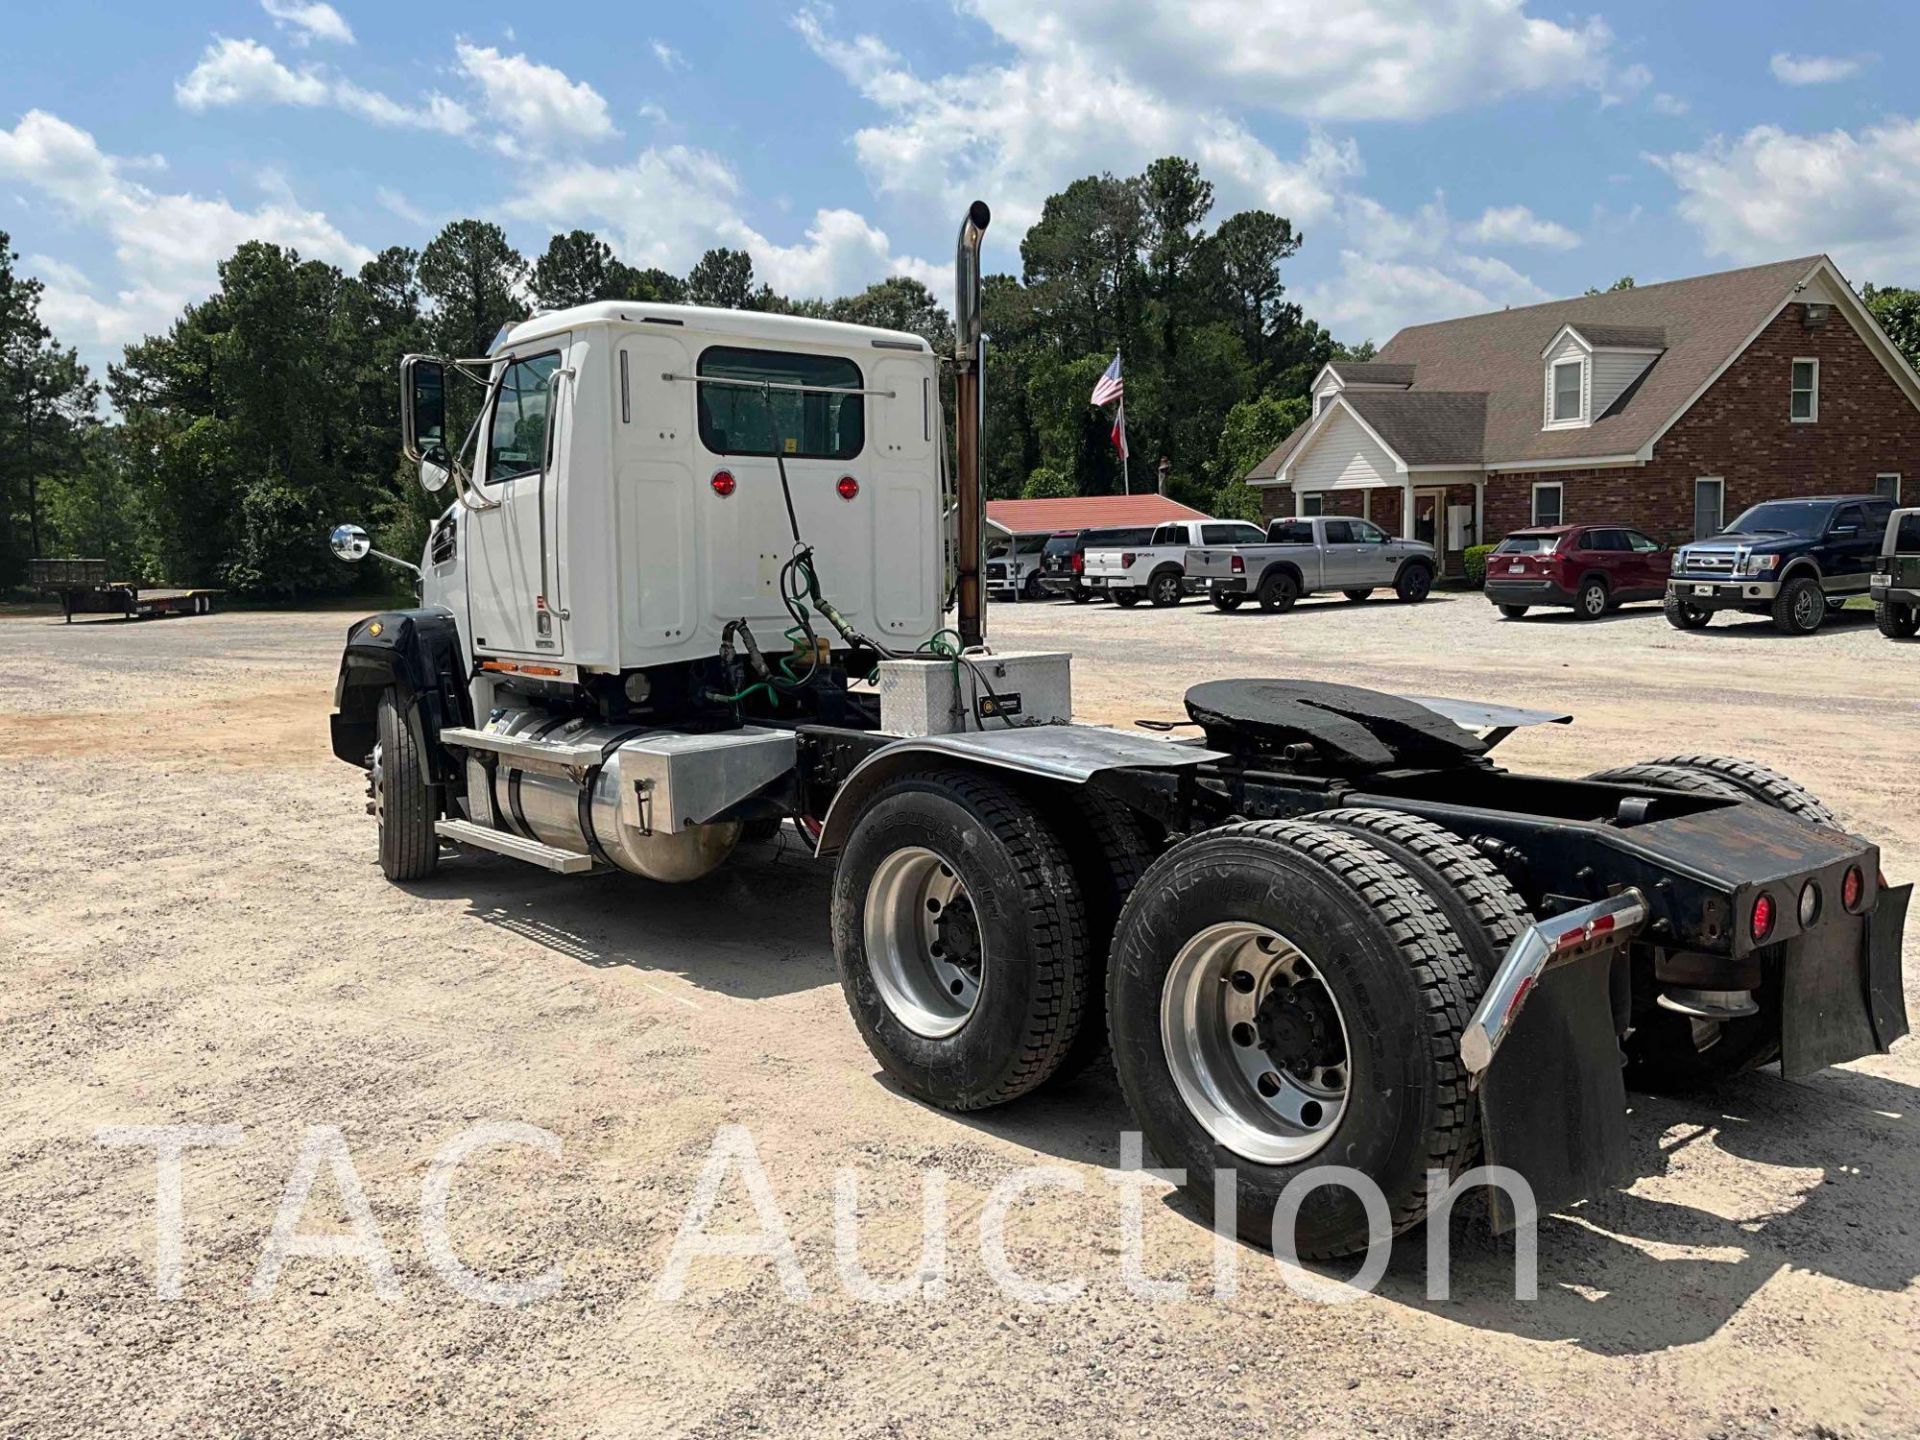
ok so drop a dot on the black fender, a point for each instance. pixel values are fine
(1282, 567)
(1802, 565)
(417, 653)
(1429, 561)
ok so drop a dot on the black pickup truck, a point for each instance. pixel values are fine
(1796, 560)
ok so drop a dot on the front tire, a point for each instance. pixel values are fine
(402, 798)
(1126, 599)
(960, 933)
(1414, 584)
(1896, 621)
(1358, 595)
(1683, 616)
(1228, 603)
(1081, 595)
(1800, 607)
(1282, 993)
(1513, 612)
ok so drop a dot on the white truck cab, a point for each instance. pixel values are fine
(626, 501)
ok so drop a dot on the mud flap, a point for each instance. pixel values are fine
(1841, 990)
(1553, 1103)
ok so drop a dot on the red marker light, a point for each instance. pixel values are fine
(723, 483)
(848, 487)
(1853, 888)
(1762, 925)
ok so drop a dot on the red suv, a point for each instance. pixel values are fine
(1589, 567)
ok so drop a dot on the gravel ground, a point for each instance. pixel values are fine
(195, 932)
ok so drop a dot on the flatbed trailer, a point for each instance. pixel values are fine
(1324, 937)
(84, 589)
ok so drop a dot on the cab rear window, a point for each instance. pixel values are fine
(809, 424)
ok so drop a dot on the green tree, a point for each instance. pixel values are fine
(722, 278)
(473, 278)
(1898, 312)
(898, 303)
(1625, 282)
(1047, 484)
(579, 268)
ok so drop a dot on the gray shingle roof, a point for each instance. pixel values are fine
(1703, 321)
(1426, 427)
(1623, 337)
(1371, 372)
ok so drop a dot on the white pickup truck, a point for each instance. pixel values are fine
(1298, 556)
(1157, 571)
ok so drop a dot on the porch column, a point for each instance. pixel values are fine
(1406, 508)
(1480, 511)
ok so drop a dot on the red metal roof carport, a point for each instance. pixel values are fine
(1084, 512)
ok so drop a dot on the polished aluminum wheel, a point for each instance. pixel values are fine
(923, 942)
(1256, 1043)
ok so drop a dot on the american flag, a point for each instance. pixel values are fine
(1109, 388)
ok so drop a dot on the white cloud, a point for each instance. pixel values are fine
(1772, 194)
(1517, 225)
(669, 57)
(1017, 132)
(245, 72)
(538, 103)
(1665, 104)
(238, 72)
(1814, 69)
(168, 246)
(309, 20)
(670, 204)
(1400, 270)
(1353, 60)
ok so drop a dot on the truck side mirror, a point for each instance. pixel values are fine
(423, 412)
(350, 542)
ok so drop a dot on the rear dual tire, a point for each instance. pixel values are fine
(1244, 957)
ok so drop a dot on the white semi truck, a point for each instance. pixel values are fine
(695, 581)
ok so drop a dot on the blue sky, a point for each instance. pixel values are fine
(1441, 156)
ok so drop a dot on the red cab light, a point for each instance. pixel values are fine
(1762, 925)
(723, 483)
(848, 487)
(1853, 888)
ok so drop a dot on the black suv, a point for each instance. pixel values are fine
(1796, 560)
(1063, 562)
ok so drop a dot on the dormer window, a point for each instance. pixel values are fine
(1568, 387)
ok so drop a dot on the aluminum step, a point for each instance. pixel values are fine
(554, 757)
(547, 857)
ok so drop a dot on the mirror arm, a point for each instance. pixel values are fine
(396, 560)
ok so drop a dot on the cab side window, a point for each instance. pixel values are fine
(1368, 533)
(1339, 532)
(517, 434)
(1643, 544)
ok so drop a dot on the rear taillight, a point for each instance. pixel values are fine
(1237, 564)
(723, 483)
(1853, 888)
(1127, 558)
(1079, 563)
(848, 487)
(1761, 925)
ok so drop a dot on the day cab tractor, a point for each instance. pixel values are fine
(694, 582)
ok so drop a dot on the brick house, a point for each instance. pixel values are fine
(1669, 407)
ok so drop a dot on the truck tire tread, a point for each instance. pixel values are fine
(409, 848)
(1759, 783)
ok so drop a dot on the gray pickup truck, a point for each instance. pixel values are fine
(1301, 556)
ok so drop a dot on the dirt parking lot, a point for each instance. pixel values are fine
(194, 931)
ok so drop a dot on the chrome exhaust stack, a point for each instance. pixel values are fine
(969, 424)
